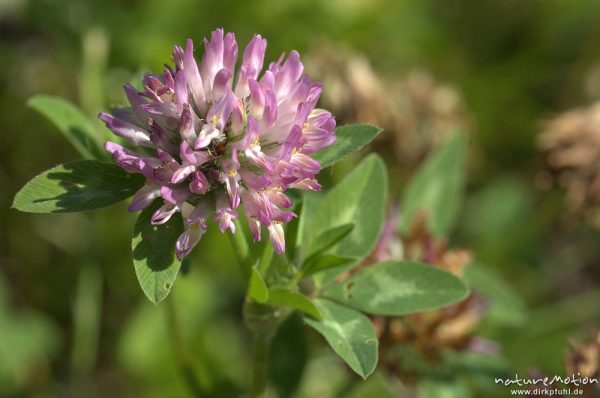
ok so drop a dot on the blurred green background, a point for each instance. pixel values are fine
(73, 320)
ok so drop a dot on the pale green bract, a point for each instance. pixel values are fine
(257, 288)
(294, 300)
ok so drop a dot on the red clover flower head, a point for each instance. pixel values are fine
(215, 139)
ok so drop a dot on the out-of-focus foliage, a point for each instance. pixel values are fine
(571, 142)
(29, 342)
(416, 112)
(437, 189)
(511, 65)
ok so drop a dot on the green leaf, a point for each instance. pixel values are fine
(153, 248)
(257, 288)
(325, 262)
(398, 288)
(349, 138)
(74, 125)
(295, 229)
(437, 189)
(81, 185)
(292, 299)
(307, 221)
(360, 198)
(327, 239)
(349, 333)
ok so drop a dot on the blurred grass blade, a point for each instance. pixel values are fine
(72, 123)
(76, 186)
(95, 48)
(506, 307)
(87, 308)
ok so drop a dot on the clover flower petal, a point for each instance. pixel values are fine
(212, 143)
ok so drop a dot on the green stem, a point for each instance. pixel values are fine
(263, 321)
(241, 249)
(261, 363)
(198, 384)
(265, 260)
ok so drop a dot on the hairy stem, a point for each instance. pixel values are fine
(261, 364)
(263, 321)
